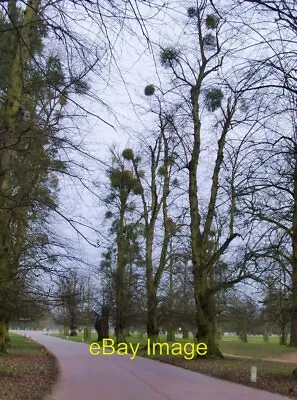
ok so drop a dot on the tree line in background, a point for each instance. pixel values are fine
(201, 207)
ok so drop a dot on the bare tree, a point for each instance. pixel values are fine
(204, 94)
(157, 188)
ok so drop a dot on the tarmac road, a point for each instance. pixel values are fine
(113, 377)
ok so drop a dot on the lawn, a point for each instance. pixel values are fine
(27, 371)
(255, 348)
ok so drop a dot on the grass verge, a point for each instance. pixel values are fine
(255, 349)
(26, 371)
(271, 376)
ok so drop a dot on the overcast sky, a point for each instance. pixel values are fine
(122, 89)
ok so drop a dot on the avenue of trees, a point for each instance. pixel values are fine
(197, 212)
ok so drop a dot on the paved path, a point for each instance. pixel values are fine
(86, 377)
(290, 358)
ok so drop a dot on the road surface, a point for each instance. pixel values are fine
(113, 377)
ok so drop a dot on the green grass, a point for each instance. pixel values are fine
(22, 345)
(255, 348)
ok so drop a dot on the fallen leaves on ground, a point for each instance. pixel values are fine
(25, 372)
(271, 376)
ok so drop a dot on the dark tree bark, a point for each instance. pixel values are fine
(293, 338)
(102, 323)
(73, 323)
(283, 336)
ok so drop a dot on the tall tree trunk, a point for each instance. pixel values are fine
(170, 334)
(87, 333)
(283, 336)
(170, 330)
(102, 323)
(205, 326)
(3, 332)
(105, 321)
(185, 333)
(152, 320)
(293, 338)
(73, 323)
(7, 338)
(120, 309)
(153, 279)
(120, 275)
(206, 318)
(152, 304)
(14, 103)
